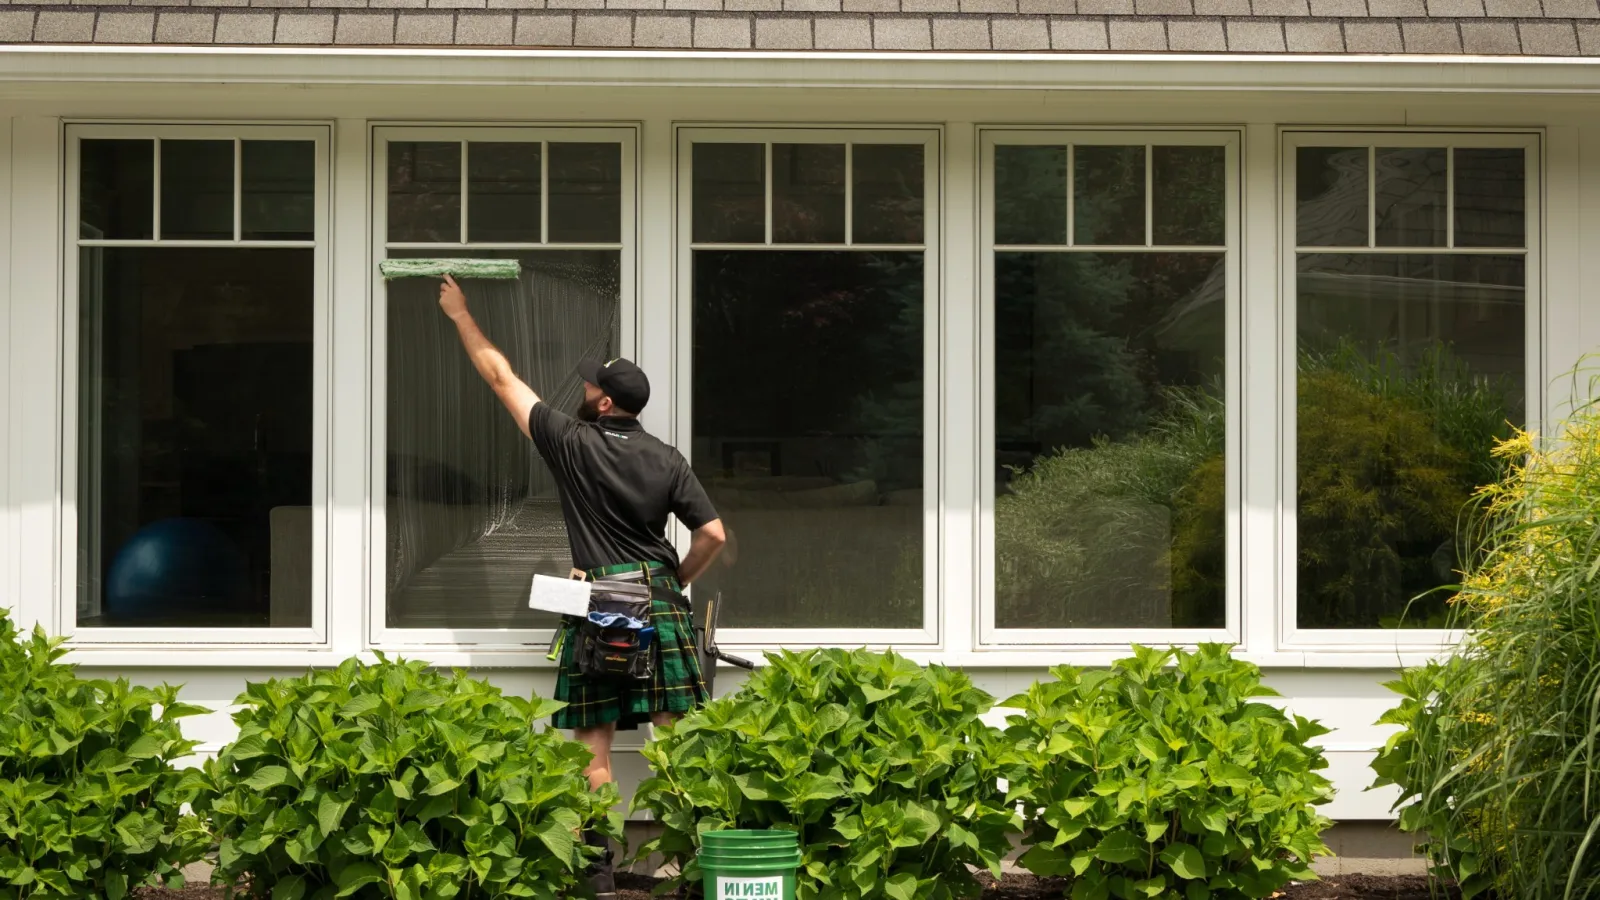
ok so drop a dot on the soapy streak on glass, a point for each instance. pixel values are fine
(471, 511)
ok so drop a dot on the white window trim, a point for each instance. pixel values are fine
(1378, 640)
(1010, 640)
(935, 424)
(65, 607)
(381, 635)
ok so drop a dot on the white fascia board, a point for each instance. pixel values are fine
(1350, 73)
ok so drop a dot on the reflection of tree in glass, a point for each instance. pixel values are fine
(1108, 399)
(1389, 457)
(820, 354)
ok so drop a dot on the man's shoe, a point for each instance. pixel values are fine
(601, 874)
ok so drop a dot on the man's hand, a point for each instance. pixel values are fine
(452, 299)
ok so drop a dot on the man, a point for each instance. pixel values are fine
(617, 484)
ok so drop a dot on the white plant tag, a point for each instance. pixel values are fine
(567, 596)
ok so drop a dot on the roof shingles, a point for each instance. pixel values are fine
(1480, 27)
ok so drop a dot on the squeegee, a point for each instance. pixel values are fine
(488, 269)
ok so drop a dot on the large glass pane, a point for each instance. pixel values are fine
(424, 192)
(1410, 196)
(1030, 196)
(730, 193)
(808, 434)
(886, 194)
(1110, 481)
(1108, 196)
(586, 193)
(117, 190)
(1189, 206)
(1411, 366)
(808, 193)
(1331, 196)
(471, 511)
(503, 185)
(197, 190)
(194, 433)
(1491, 197)
(278, 191)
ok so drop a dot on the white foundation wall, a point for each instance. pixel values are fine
(1341, 686)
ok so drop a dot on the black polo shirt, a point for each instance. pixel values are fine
(618, 483)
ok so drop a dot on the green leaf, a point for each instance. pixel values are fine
(354, 877)
(116, 885)
(329, 813)
(1185, 861)
(360, 706)
(291, 888)
(901, 886)
(1119, 847)
(557, 837)
(268, 777)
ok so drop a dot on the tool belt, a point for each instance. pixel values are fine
(617, 639)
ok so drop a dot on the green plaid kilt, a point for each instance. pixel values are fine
(675, 686)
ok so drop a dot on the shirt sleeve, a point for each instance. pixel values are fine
(690, 503)
(552, 432)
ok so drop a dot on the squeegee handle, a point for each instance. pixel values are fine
(732, 660)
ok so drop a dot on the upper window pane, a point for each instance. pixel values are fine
(1110, 476)
(1411, 366)
(278, 191)
(822, 492)
(503, 184)
(1030, 195)
(116, 189)
(197, 190)
(808, 193)
(585, 193)
(1108, 196)
(730, 193)
(1491, 197)
(424, 192)
(1411, 204)
(1331, 197)
(471, 511)
(886, 193)
(195, 437)
(1190, 205)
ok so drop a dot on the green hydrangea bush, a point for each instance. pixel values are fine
(396, 781)
(883, 767)
(90, 802)
(1163, 777)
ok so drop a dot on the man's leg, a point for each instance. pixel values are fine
(598, 740)
(602, 875)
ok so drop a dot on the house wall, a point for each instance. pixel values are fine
(1338, 683)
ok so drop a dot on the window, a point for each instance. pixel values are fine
(1411, 312)
(198, 267)
(469, 511)
(1109, 279)
(809, 268)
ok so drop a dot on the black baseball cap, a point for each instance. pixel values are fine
(619, 379)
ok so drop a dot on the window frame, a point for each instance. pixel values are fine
(989, 637)
(381, 635)
(1291, 637)
(74, 133)
(936, 440)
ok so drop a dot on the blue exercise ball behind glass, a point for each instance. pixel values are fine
(176, 565)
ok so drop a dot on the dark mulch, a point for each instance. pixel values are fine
(1028, 887)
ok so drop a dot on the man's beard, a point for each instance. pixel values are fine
(589, 410)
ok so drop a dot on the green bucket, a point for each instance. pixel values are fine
(749, 865)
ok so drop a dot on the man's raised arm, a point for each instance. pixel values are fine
(486, 357)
